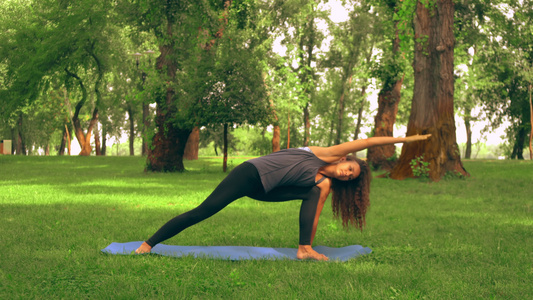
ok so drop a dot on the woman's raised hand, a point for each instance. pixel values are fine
(416, 137)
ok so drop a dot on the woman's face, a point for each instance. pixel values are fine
(347, 170)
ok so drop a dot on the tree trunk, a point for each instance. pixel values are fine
(340, 114)
(146, 124)
(61, 149)
(13, 143)
(520, 141)
(168, 144)
(276, 135)
(468, 126)
(21, 145)
(97, 146)
(432, 106)
(104, 140)
(191, 148)
(288, 130)
(307, 125)
(388, 99)
(132, 130)
(85, 139)
(65, 141)
(530, 125)
(225, 159)
(360, 113)
(306, 74)
(276, 139)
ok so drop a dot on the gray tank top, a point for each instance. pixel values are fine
(297, 167)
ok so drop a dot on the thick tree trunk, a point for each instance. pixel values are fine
(191, 148)
(166, 155)
(225, 159)
(168, 144)
(432, 106)
(85, 139)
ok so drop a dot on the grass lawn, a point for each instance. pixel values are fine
(456, 239)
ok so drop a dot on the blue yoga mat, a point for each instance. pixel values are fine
(237, 252)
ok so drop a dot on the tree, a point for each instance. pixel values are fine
(177, 28)
(391, 74)
(507, 62)
(233, 90)
(73, 47)
(294, 73)
(432, 110)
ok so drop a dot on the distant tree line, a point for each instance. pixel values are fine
(162, 70)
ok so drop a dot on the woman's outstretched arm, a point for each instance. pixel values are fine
(306, 251)
(336, 152)
(325, 188)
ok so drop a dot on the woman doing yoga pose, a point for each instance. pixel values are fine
(308, 174)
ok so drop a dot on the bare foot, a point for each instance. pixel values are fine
(306, 252)
(144, 248)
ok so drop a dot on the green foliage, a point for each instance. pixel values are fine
(451, 175)
(403, 14)
(420, 167)
(253, 141)
(233, 90)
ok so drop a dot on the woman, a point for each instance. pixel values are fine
(309, 174)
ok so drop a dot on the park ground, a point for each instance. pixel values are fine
(456, 239)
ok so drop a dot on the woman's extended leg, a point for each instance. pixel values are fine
(243, 180)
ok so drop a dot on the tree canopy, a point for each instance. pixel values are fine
(284, 69)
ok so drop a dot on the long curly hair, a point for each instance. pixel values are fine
(351, 199)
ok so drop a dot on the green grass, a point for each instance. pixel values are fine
(456, 239)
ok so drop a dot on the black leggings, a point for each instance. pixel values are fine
(243, 181)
